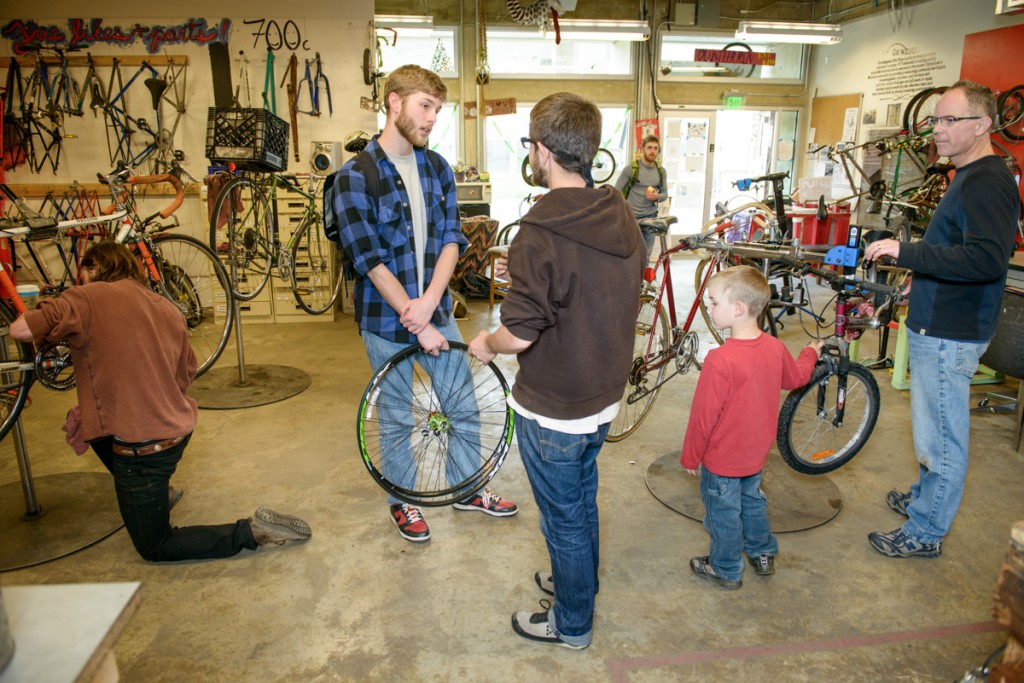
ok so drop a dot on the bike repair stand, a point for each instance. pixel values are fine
(80, 512)
(257, 385)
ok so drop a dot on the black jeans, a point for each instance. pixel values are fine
(141, 483)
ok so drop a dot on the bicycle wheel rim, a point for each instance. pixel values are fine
(527, 172)
(700, 283)
(603, 167)
(924, 108)
(1011, 114)
(245, 242)
(16, 372)
(652, 337)
(316, 269)
(194, 280)
(808, 440)
(470, 415)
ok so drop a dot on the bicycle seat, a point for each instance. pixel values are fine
(658, 226)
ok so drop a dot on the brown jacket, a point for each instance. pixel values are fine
(133, 362)
(576, 267)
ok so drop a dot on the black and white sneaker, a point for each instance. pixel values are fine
(535, 626)
(545, 581)
(898, 501)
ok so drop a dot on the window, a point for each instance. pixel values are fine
(505, 156)
(679, 61)
(529, 53)
(432, 50)
(444, 139)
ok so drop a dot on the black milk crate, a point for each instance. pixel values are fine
(253, 139)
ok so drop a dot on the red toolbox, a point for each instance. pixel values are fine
(811, 230)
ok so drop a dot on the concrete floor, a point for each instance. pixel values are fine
(358, 603)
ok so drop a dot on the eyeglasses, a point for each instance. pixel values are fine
(527, 142)
(948, 120)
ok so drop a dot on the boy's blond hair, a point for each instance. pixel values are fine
(745, 284)
(409, 79)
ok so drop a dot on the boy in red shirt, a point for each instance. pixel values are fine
(733, 424)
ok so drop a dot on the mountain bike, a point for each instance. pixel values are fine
(249, 240)
(825, 423)
(450, 409)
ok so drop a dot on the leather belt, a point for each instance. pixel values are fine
(144, 447)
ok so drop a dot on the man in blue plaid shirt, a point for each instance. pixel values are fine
(404, 248)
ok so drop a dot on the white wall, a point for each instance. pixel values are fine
(338, 30)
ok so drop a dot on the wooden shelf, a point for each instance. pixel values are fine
(105, 60)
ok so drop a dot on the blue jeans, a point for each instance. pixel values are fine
(736, 518)
(141, 483)
(562, 469)
(940, 392)
(447, 386)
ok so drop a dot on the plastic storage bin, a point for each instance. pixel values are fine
(832, 230)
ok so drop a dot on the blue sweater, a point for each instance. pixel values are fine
(960, 265)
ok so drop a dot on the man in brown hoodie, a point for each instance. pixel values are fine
(569, 315)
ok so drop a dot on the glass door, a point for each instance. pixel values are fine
(706, 152)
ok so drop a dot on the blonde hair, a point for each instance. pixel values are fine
(409, 79)
(745, 284)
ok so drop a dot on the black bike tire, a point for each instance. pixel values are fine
(527, 172)
(911, 103)
(200, 266)
(368, 70)
(1010, 106)
(652, 319)
(743, 70)
(603, 167)
(818, 452)
(924, 108)
(388, 387)
(251, 270)
(17, 371)
(699, 288)
(320, 261)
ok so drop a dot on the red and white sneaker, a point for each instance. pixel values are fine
(489, 502)
(410, 522)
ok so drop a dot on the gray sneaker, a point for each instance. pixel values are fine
(273, 528)
(898, 502)
(764, 565)
(535, 626)
(701, 566)
(545, 581)
(896, 543)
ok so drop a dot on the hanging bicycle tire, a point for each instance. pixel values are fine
(194, 280)
(603, 167)
(246, 239)
(17, 363)
(909, 107)
(924, 108)
(1010, 106)
(808, 437)
(652, 337)
(458, 429)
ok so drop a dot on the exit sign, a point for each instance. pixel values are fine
(734, 101)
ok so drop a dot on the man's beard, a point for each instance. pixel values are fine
(407, 128)
(540, 176)
(650, 159)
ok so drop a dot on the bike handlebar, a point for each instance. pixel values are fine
(838, 278)
(123, 176)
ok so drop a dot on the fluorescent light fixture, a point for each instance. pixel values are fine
(405, 22)
(785, 32)
(604, 29)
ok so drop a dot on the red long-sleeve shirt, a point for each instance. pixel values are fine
(734, 417)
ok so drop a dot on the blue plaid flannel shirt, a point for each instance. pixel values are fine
(382, 233)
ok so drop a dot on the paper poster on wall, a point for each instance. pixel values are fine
(850, 124)
(645, 127)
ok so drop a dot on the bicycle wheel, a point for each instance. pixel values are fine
(17, 362)
(705, 269)
(653, 337)
(196, 282)
(603, 167)
(316, 268)
(808, 438)
(246, 240)
(527, 172)
(430, 442)
(923, 108)
(1011, 114)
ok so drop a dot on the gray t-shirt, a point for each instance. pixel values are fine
(641, 206)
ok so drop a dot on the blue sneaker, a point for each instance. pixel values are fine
(898, 501)
(896, 543)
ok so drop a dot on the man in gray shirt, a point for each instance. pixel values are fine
(643, 184)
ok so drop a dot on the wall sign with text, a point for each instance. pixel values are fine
(24, 34)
